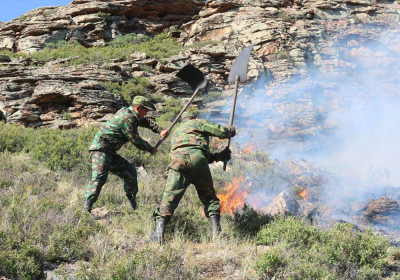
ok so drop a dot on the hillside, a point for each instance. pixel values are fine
(317, 137)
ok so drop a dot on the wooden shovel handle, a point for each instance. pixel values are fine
(232, 113)
(179, 115)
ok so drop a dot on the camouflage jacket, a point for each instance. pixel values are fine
(123, 127)
(193, 135)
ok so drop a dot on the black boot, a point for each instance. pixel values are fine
(215, 225)
(87, 206)
(158, 234)
(132, 200)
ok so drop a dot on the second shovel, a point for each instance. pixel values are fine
(238, 73)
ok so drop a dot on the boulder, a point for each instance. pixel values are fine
(283, 204)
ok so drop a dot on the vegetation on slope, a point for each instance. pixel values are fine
(160, 46)
(42, 222)
(43, 174)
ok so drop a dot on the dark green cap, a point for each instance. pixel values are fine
(189, 114)
(141, 100)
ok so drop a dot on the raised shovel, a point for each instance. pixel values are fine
(195, 78)
(238, 73)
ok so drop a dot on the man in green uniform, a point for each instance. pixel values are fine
(123, 127)
(190, 156)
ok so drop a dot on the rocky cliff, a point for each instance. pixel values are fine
(293, 41)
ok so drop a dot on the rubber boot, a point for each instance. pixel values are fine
(158, 234)
(132, 201)
(87, 206)
(215, 226)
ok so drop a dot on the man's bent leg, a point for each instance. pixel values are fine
(202, 179)
(101, 162)
(174, 189)
(205, 190)
(125, 170)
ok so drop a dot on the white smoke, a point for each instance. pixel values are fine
(349, 123)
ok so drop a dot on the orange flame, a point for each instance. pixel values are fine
(248, 148)
(234, 198)
(304, 194)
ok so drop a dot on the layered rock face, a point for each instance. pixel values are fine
(293, 40)
(39, 96)
(92, 23)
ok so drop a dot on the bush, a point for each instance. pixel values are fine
(248, 222)
(189, 223)
(270, 263)
(13, 137)
(171, 109)
(135, 86)
(160, 46)
(338, 253)
(68, 243)
(25, 263)
(290, 230)
(62, 149)
(57, 149)
(128, 39)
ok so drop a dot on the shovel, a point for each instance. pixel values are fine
(195, 78)
(238, 73)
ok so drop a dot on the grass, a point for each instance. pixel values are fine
(160, 46)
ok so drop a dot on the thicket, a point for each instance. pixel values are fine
(129, 89)
(160, 46)
(302, 251)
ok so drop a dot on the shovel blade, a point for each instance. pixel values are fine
(239, 67)
(193, 76)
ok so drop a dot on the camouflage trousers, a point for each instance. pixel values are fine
(183, 171)
(104, 162)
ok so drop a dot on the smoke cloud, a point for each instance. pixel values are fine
(347, 121)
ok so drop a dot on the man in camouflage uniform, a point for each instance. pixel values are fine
(123, 127)
(190, 156)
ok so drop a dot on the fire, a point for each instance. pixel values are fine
(304, 194)
(234, 197)
(248, 148)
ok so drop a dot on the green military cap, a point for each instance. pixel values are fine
(141, 100)
(189, 114)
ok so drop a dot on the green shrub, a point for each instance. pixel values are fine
(171, 109)
(135, 86)
(66, 115)
(160, 46)
(57, 149)
(284, 55)
(128, 39)
(270, 263)
(248, 222)
(189, 223)
(25, 263)
(338, 253)
(290, 230)
(348, 245)
(68, 243)
(13, 137)
(62, 149)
